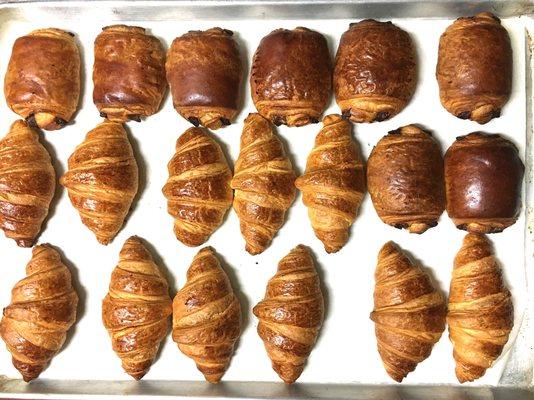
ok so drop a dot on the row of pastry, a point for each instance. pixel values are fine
(478, 182)
(409, 312)
(373, 77)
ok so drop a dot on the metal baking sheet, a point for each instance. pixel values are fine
(344, 363)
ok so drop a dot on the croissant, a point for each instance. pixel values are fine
(474, 69)
(483, 177)
(42, 82)
(198, 189)
(409, 313)
(136, 309)
(128, 73)
(207, 316)
(291, 76)
(42, 310)
(27, 184)
(480, 315)
(375, 71)
(291, 314)
(204, 70)
(102, 179)
(263, 183)
(405, 179)
(334, 183)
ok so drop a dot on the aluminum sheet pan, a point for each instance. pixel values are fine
(345, 363)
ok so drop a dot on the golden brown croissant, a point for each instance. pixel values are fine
(42, 310)
(42, 82)
(405, 179)
(206, 320)
(204, 70)
(136, 309)
(27, 184)
(263, 182)
(198, 189)
(474, 69)
(375, 71)
(102, 179)
(291, 314)
(334, 183)
(480, 315)
(128, 73)
(409, 313)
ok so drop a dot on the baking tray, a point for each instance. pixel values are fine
(345, 363)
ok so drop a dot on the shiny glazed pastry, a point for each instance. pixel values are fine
(27, 184)
(102, 179)
(483, 178)
(291, 76)
(409, 313)
(136, 309)
(375, 71)
(405, 179)
(481, 314)
(128, 73)
(264, 184)
(42, 310)
(207, 316)
(41, 86)
(291, 314)
(333, 184)
(474, 69)
(198, 190)
(204, 71)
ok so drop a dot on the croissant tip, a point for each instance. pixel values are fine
(104, 240)
(137, 375)
(214, 379)
(25, 242)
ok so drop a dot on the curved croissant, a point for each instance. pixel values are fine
(334, 183)
(42, 310)
(207, 316)
(102, 179)
(480, 315)
(136, 309)
(291, 314)
(409, 313)
(263, 183)
(198, 189)
(27, 184)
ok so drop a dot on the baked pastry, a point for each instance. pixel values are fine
(291, 314)
(264, 184)
(291, 76)
(43, 87)
(102, 179)
(474, 69)
(481, 314)
(128, 73)
(136, 308)
(405, 179)
(333, 184)
(375, 71)
(409, 313)
(483, 178)
(206, 319)
(198, 190)
(204, 70)
(42, 310)
(27, 184)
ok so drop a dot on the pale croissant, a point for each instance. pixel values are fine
(333, 184)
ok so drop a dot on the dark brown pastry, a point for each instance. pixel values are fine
(204, 71)
(42, 82)
(405, 179)
(474, 69)
(375, 72)
(291, 76)
(483, 178)
(128, 73)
